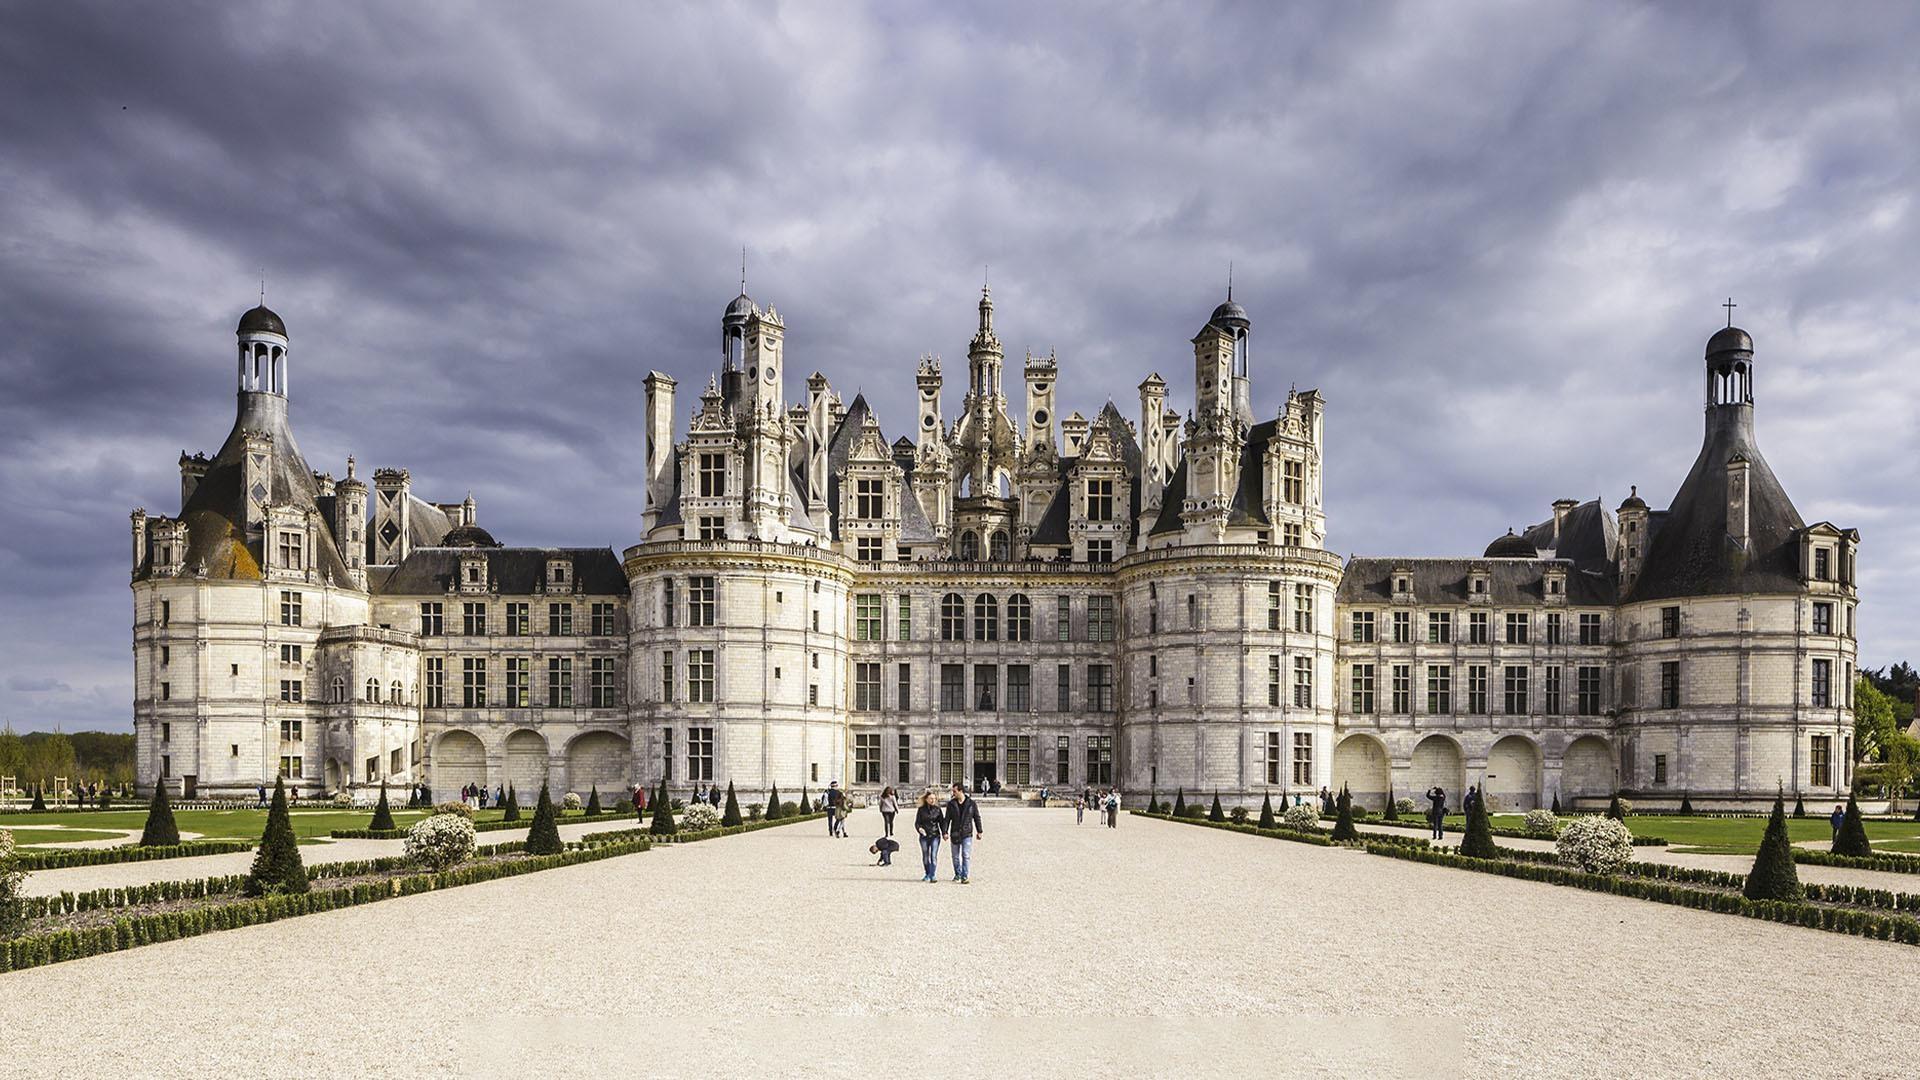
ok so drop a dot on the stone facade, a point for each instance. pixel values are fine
(1015, 597)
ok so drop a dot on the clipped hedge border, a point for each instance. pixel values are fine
(62, 858)
(1896, 864)
(1510, 834)
(1316, 839)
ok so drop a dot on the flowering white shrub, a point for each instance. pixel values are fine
(1305, 817)
(459, 808)
(1403, 806)
(1541, 823)
(571, 801)
(700, 816)
(343, 799)
(440, 841)
(1626, 807)
(11, 877)
(1598, 845)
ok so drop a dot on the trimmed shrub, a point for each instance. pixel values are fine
(458, 809)
(700, 816)
(382, 814)
(662, 814)
(1598, 845)
(276, 866)
(1478, 841)
(1799, 807)
(755, 814)
(1852, 837)
(571, 801)
(440, 841)
(805, 807)
(1266, 811)
(1180, 802)
(1616, 810)
(11, 877)
(512, 812)
(1556, 804)
(1343, 825)
(788, 810)
(1686, 804)
(1215, 813)
(1153, 802)
(774, 809)
(1543, 823)
(105, 798)
(1393, 806)
(1773, 876)
(343, 799)
(593, 801)
(1237, 815)
(544, 837)
(1404, 806)
(732, 815)
(160, 830)
(39, 798)
(1301, 817)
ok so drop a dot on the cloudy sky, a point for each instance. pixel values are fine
(1495, 236)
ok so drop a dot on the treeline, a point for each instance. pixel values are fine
(1883, 706)
(82, 757)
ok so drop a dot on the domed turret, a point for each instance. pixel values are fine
(1730, 339)
(1633, 501)
(1511, 547)
(261, 319)
(263, 352)
(1231, 316)
(468, 536)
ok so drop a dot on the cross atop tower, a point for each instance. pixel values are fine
(1729, 305)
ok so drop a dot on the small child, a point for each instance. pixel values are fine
(884, 847)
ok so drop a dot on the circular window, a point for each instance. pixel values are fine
(753, 373)
(926, 421)
(769, 372)
(1039, 388)
(1040, 416)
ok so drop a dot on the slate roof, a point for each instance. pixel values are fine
(1051, 530)
(512, 570)
(1510, 581)
(1249, 501)
(1589, 537)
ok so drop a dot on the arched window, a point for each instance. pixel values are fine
(986, 618)
(970, 545)
(339, 692)
(997, 547)
(1019, 618)
(953, 617)
(394, 695)
(373, 689)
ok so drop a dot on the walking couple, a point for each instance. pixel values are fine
(958, 822)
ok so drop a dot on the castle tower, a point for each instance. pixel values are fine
(392, 515)
(659, 448)
(1042, 374)
(764, 427)
(350, 524)
(1218, 426)
(1154, 460)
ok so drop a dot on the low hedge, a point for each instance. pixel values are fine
(371, 834)
(1316, 839)
(1510, 834)
(61, 859)
(1897, 864)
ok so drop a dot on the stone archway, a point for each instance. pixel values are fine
(1513, 775)
(600, 759)
(526, 767)
(1586, 770)
(1437, 761)
(459, 759)
(1360, 762)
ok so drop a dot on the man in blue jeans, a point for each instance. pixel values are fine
(963, 826)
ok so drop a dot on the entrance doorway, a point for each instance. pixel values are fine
(986, 762)
(189, 786)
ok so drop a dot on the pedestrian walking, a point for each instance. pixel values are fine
(1839, 816)
(1079, 809)
(836, 810)
(1113, 809)
(1436, 809)
(889, 806)
(930, 824)
(963, 828)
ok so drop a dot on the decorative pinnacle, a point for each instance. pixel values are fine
(1729, 305)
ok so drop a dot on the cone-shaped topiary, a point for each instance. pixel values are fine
(544, 837)
(593, 801)
(773, 804)
(1614, 811)
(805, 806)
(1556, 804)
(731, 815)
(1343, 826)
(1266, 812)
(39, 800)
(663, 814)
(1215, 813)
(160, 830)
(382, 814)
(1852, 837)
(1180, 802)
(1686, 804)
(105, 796)
(1393, 812)
(1478, 841)
(1773, 876)
(512, 813)
(1799, 807)
(276, 866)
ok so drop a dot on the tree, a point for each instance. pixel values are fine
(1852, 837)
(544, 837)
(663, 814)
(731, 816)
(1180, 802)
(593, 801)
(1902, 756)
(1686, 804)
(773, 804)
(1873, 726)
(382, 814)
(160, 830)
(1773, 876)
(1343, 827)
(1478, 841)
(513, 806)
(1216, 814)
(1266, 812)
(276, 866)
(1614, 810)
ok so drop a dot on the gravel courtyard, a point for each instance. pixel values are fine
(1154, 949)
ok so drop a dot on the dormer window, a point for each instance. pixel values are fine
(868, 500)
(1402, 586)
(559, 572)
(473, 575)
(1822, 564)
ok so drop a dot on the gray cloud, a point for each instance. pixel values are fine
(1495, 238)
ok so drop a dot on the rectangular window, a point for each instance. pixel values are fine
(1063, 688)
(866, 617)
(1303, 682)
(166, 613)
(666, 753)
(1477, 628)
(669, 605)
(1514, 690)
(517, 619)
(1439, 627)
(601, 684)
(1274, 762)
(1822, 683)
(1275, 611)
(289, 655)
(166, 654)
(953, 688)
(1099, 551)
(290, 690)
(953, 617)
(474, 619)
(1019, 688)
(1588, 691)
(1590, 628)
(713, 475)
(1303, 608)
(702, 608)
(1293, 481)
(1193, 611)
(986, 687)
(1100, 500)
(953, 759)
(1550, 688)
(1403, 628)
(518, 679)
(869, 504)
(1823, 618)
(712, 527)
(1822, 564)
(560, 682)
(1063, 618)
(436, 682)
(905, 688)
(1670, 684)
(1062, 759)
(1099, 618)
(1303, 758)
(1363, 688)
(1019, 618)
(866, 689)
(1820, 761)
(1020, 760)
(904, 758)
(290, 766)
(905, 629)
(432, 619)
(1516, 628)
(290, 547)
(1100, 687)
(1099, 759)
(290, 731)
(1363, 627)
(1402, 689)
(1290, 533)
(700, 753)
(289, 608)
(700, 676)
(473, 682)
(666, 675)
(1273, 681)
(603, 620)
(1477, 689)
(1439, 689)
(869, 548)
(1669, 622)
(1660, 769)
(866, 757)
(1553, 628)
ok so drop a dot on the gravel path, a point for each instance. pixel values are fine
(1154, 949)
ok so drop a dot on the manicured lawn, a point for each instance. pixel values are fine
(1740, 836)
(34, 837)
(245, 824)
